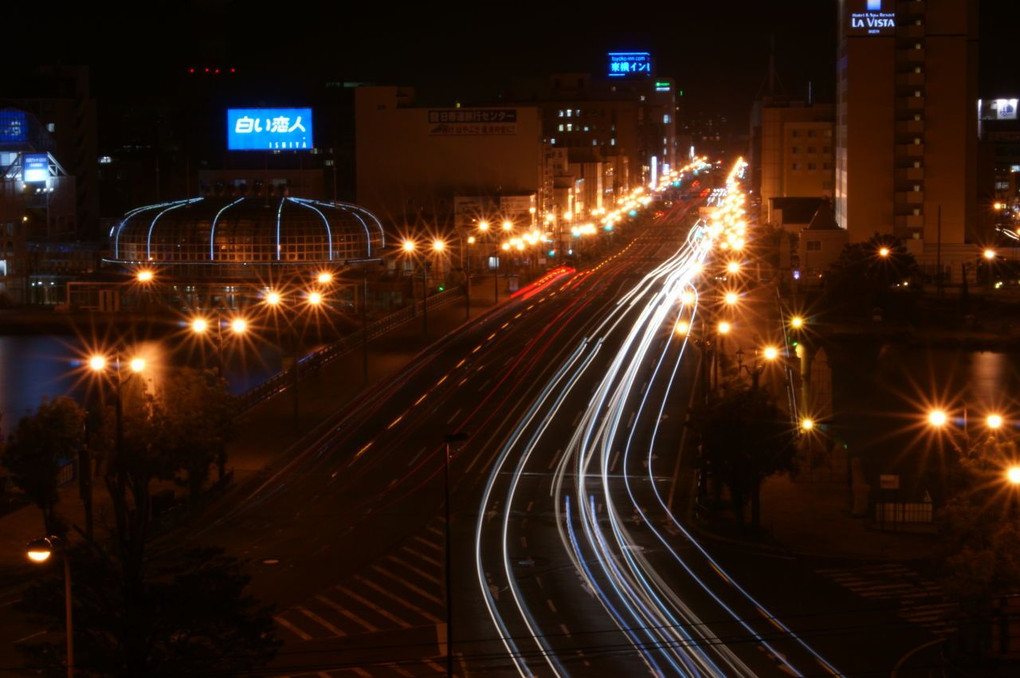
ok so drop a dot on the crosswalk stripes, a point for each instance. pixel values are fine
(400, 591)
(918, 598)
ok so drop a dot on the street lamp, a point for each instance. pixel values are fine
(450, 439)
(39, 551)
(410, 248)
(200, 327)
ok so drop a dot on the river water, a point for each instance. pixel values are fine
(882, 393)
(34, 367)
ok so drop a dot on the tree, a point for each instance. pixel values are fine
(138, 614)
(196, 618)
(980, 524)
(876, 273)
(40, 444)
(745, 438)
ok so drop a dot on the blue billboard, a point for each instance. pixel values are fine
(629, 63)
(35, 168)
(13, 126)
(269, 129)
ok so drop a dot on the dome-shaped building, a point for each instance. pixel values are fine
(245, 238)
(227, 251)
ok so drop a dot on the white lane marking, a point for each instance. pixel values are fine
(399, 580)
(369, 604)
(347, 613)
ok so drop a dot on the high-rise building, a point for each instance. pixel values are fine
(906, 126)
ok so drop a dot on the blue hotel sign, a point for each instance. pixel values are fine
(269, 129)
(629, 63)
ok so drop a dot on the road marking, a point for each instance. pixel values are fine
(416, 570)
(434, 530)
(415, 457)
(347, 613)
(417, 589)
(524, 541)
(292, 628)
(423, 397)
(409, 605)
(435, 547)
(369, 604)
(556, 458)
(566, 631)
(394, 422)
(552, 606)
(453, 417)
(319, 620)
(419, 554)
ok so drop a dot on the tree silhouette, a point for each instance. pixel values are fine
(34, 453)
(745, 438)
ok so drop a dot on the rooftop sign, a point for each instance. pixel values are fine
(269, 129)
(629, 63)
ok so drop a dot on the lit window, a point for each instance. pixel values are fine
(612, 142)
(666, 119)
(561, 127)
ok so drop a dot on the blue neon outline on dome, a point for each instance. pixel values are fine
(362, 211)
(130, 213)
(212, 229)
(279, 213)
(152, 224)
(325, 221)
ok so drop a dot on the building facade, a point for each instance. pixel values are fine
(906, 126)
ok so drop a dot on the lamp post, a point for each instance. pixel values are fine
(410, 248)
(467, 277)
(39, 551)
(238, 327)
(450, 439)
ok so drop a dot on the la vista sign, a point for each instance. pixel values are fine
(872, 22)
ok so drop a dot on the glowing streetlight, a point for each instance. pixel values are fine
(145, 275)
(682, 327)
(1013, 475)
(39, 551)
(994, 421)
(770, 353)
(807, 424)
(937, 418)
(883, 252)
(324, 278)
(796, 322)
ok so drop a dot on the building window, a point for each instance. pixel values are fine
(570, 127)
(795, 150)
(569, 112)
(553, 141)
(51, 127)
(561, 127)
(810, 132)
(666, 119)
(827, 165)
(917, 187)
(795, 133)
(594, 142)
(612, 142)
(559, 113)
(811, 166)
(795, 166)
(810, 149)
(813, 245)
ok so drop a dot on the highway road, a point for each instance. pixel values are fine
(532, 461)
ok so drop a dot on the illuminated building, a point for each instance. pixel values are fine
(906, 126)
(224, 251)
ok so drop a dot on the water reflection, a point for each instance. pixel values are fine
(882, 398)
(34, 367)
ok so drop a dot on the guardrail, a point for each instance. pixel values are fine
(313, 362)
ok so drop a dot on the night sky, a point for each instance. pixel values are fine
(717, 52)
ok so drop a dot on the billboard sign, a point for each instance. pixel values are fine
(13, 126)
(472, 122)
(1002, 109)
(35, 168)
(870, 17)
(269, 129)
(629, 63)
